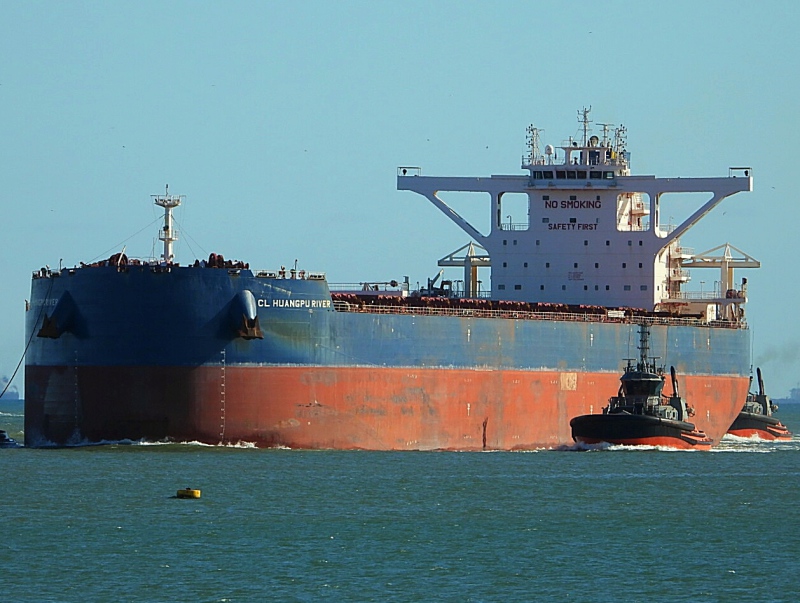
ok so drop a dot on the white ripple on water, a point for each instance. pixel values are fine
(144, 443)
(239, 444)
(728, 444)
(605, 446)
(732, 443)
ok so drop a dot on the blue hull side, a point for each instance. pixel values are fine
(189, 316)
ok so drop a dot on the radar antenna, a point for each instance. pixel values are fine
(606, 128)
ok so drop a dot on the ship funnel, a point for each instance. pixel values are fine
(760, 382)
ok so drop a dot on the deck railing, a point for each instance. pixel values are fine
(343, 306)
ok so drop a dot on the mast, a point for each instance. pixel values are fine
(167, 234)
(583, 118)
(646, 363)
(644, 343)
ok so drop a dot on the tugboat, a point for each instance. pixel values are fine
(7, 442)
(640, 414)
(756, 418)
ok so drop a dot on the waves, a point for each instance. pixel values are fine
(731, 443)
(143, 443)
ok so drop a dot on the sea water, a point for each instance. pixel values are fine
(102, 523)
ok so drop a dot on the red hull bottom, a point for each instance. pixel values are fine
(338, 408)
(764, 434)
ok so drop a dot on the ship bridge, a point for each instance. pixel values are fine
(592, 233)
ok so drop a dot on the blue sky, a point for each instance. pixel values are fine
(283, 124)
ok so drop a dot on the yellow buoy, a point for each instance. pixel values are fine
(188, 493)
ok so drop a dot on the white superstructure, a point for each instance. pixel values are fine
(594, 233)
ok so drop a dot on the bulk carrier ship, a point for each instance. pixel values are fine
(218, 352)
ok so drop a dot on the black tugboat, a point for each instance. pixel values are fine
(7, 442)
(640, 414)
(756, 418)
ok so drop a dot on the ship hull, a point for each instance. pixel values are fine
(749, 425)
(638, 430)
(223, 356)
